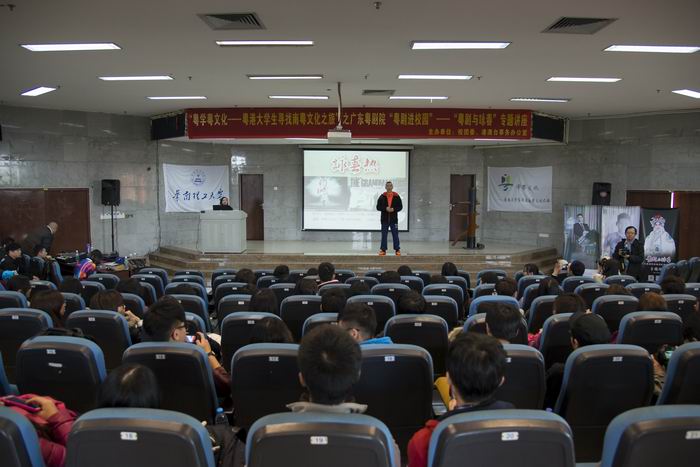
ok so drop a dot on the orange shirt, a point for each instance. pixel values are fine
(389, 198)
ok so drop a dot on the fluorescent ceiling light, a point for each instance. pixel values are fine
(136, 78)
(306, 139)
(285, 76)
(419, 98)
(38, 91)
(663, 49)
(453, 45)
(495, 139)
(71, 47)
(170, 98)
(458, 77)
(688, 92)
(265, 43)
(299, 97)
(583, 80)
(540, 99)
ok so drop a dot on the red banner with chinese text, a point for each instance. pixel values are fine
(363, 122)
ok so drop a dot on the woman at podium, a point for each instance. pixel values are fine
(223, 205)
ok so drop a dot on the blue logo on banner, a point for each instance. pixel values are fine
(198, 177)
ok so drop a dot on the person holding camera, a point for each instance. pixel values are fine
(630, 253)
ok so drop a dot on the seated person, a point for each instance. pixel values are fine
(507, 287)
(329, 367)
(652, 301)
(390, 277)
(326, 274)
(281, 272)
(35, 270)
(449, 269)
(358, 288)
(264, 300)
(52, 302)
(489, 277)
(223, 205)
(13, 260)
(133, 286)
(333, 301)
(111, 300)
(438, 279)
(586, 329)
(404, 270)
(271, 331)
(306, 286)
(88, 266)
(247, 276)
(564, 303)
(503, 322)
(165, 322)
(21, 284)
(617, 289)
(531, 269)
(411, 302)
(360, 321)
(547, 286)
(475, 369)
(130, 385)
(672, 285)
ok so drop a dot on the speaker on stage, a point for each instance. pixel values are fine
(110, 192)
(601, 194)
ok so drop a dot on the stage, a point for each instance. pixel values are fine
(358, 256)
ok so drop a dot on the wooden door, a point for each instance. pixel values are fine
(459, 203)
(649, 199)
(688, 203)
(252, 204)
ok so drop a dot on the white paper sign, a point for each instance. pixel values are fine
(520, 189)
(194, 188)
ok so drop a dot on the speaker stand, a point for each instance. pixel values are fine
(111, 207)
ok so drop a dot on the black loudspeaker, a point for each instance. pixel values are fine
(111, 192)
(601, 194)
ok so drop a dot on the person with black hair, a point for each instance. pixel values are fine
(672, 285)
(111, 300)
(389, 204)
(449, 269)
(531, 269)
(306, 286)
(130, 385)
(13, 260)
(21, 284)
(333, 301)
(609, 267)
(133, 286)
(264, 300)
(312, 272)
(360, 321)
(564, 303)
(223, 205)
(52, 302)
(507, 287)
(39, 269)
(326, 273)
(404, 270)
(410, 302)
(630, 253)
(475, 370)
(577, 268)
(281, 272)
(390, 277)
(358, 288)
(271, 331)
(489, 277)
(547, 286)
(617, 289)
(183, 288)
(503, 321)
(438, 279)
(246, 275)
(88, 266)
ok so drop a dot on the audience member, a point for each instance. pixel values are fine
(531, 269)
(503, 321)
(449, 269)
(672, 285)
(358, 288)
(326, 273)
(312, 272)
(111, 300)
(610, 267)
(13, 260)
(333, 301)
(88, 266)
(130, 385)
(72, 285)
(547, 286)
(21, 284)
(264, 300)
(39, 269)
(475, 370)
(404, 270)
(390, 277)
(272, 331)
(652, 301)
(410, 302)
(52, 302)
(306, 286)
(507, 287)
(281, 272)
(360, 321)
(489, 277)
(438, 279)
(617, 289)
(133, 286)
(183, 288)
(246, 276)
(564, 303)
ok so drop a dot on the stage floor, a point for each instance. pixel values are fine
(363, 248)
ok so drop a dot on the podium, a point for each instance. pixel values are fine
(222, 232)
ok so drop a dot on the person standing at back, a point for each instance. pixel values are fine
(389, 203)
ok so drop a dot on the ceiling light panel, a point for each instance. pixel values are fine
(75, 47)
(663, 49)
(456, 45)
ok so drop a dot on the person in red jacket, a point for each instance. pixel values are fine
(389, 203)
(475, 368)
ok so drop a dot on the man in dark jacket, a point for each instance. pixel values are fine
(13, 260)
(43, 236)
(389, 203)
(630, 252)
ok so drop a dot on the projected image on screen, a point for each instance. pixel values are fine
(341, 187)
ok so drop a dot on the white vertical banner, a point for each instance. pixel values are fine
(520, 189)
(194, 188)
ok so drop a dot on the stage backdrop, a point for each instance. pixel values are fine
(582, 234)
(520, 189)
(660, 238)
(616, 219)
(194, 188)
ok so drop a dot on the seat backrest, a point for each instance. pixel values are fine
(150, 293)
(599, 383)
(282, 290)
(393, 291)
(135, 304)
(6, 389)
(384, 308)
(221, 272)
(110, 281)
(69, 369)
(183, 373)
(476, 323)
(369, 280)
(198, 289)
(295, 309)
(694, 275)
(499, 272)
(570, 283)
(683, 269)
(477, 302)
(589, 292)
(275, 439)
(413, 282)
(232, 304)
(126, 436)
(194, 304)
(160, 272)
(296, 274)
(666, 270)
(264, 379)
(466, 277)
(526, 281)
(444, 307)
(343, 274)
(555, 340)
(108, 329)
(188, 272)
(524, 384)
(620, 279)
(682, 384)
(155, 280)
(194, 324)
(522, 438)
(425, 275)
(236, 330)
(56, 272)
(484, 289)
(11, 299)
(448, 290)
(457, 280)
(19, 443)
(397, 369)
(74, 302)
(43, 285)
(517, 275)
(540, 309)
(651, 329)
(16, 326)
(376, 273)
(693, 288)
(188, 279)
(653, 436)
(640, 288)
(339, 286)
(262, 272)
(427, 331)
(681, 304)
(266, 281)
(90, 288)
(317, 320)
(612, 308)
(228, 288)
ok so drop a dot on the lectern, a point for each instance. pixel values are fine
(222, 232)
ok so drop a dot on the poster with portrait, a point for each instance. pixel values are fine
(615, 220)
(660, 238)
(582, 234)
